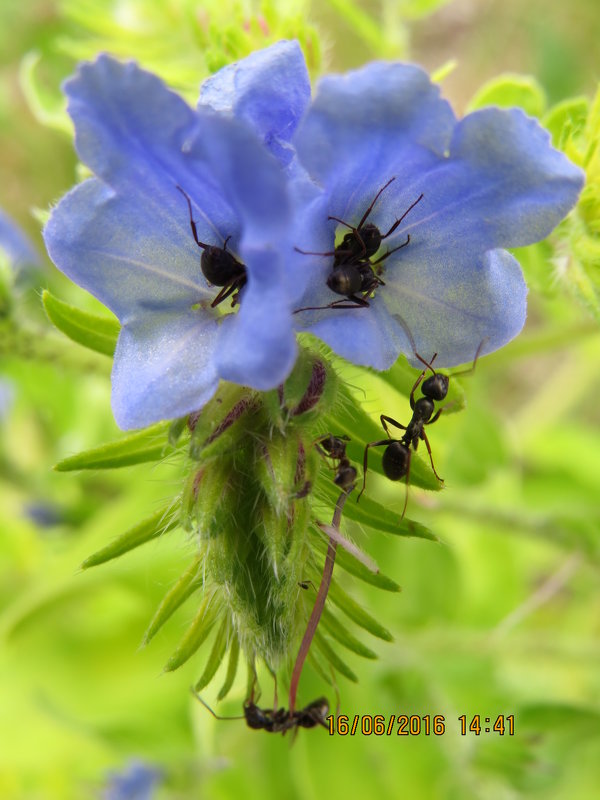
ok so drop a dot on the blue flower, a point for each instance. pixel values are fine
(471, 187)
(136, 782)
(125, 236)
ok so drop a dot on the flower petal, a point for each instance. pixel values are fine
(133, 133)
(446, 313)
(125, 256)
(257, 346)
(502, 185)
(163, 367)
(371, 119)
(270, 90)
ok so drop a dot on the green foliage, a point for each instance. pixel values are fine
(93, 331)
(149, 444)
(511, 90)
(160, 522)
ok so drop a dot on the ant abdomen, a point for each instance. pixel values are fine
(345, 478)
(396, 458)
(345, 280)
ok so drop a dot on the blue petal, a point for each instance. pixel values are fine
(124, 254)
(164, 367)
(270, 90)
(133, 133)
(257, 346)
(482, 298)
(502, 185)
(366, 120)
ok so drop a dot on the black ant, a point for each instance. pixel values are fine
(334, 447)
(352, 273)
(397, 455)
(279, 720)
(218, 265)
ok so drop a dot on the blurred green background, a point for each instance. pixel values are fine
(501, 617)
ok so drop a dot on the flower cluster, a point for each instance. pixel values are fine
(214, 233)
(369, 216)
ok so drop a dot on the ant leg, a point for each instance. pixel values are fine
(357, 302)
(368, 211)
(398, 221)
(366, 458)
(426, 440)
(414, 389)
(389, 252)
(421, 376)
(472, 369)
(435, 417)
(407, 483)
(375, 199)
(208, 708)
(228, 290)
(343, 222)
(192, 223)
(383, 419)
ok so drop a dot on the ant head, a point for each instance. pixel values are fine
(218, 266)
(336, 446)
(436, 387)
(345, 280)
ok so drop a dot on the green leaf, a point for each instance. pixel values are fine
(356, 613)
(348, 563)
(510, 90)
(195, 635)
(369, 512)
(164, 520)
(333, 658)
(216, 656)
(93, 331)
(234, 653)
(566, 119)
(149, 444)
(337, 630)
(190, 581)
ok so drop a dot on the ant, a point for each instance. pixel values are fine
(352, 272)
(218, 265)
(334, 447)
(278, 720)
(397, 455)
